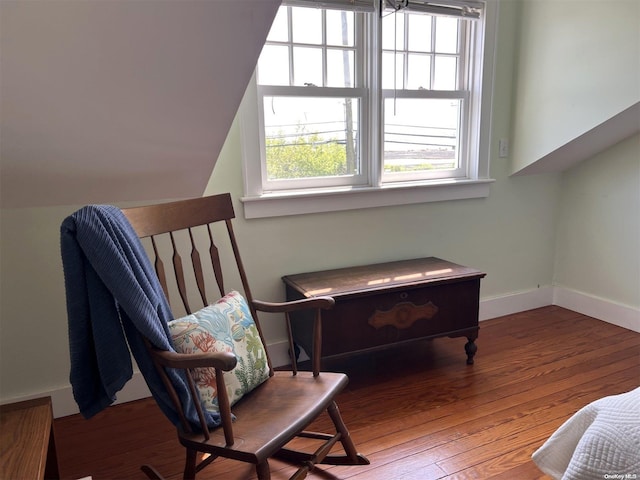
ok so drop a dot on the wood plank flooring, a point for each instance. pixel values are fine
(417, 412)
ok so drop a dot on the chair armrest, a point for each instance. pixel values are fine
(314, 303)
(323, 303)
(222, 360)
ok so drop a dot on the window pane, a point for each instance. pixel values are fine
(307, 66)
(391, 24)
(311, 137)
(387, 70)
(420, 135)
(340, 67)
(340, 28)
(279, 29)
(420, 33)
(419, 72)
(445, 73)
(307, 25)
(446, 35)
(273, 65)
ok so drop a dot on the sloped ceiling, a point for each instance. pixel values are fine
(107, 101)
(605, 135)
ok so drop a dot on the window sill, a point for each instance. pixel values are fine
(336, 199)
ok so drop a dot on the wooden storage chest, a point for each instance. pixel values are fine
(387, 304)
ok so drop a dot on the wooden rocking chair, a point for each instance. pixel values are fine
(283, 406)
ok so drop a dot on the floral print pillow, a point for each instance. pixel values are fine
(226, 326)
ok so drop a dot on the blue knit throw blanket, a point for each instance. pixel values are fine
(114, 299)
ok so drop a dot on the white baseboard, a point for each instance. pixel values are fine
(605, 310)
(623, 316)
(515, 302)
(63, 403)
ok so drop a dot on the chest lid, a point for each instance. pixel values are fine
(383, 276)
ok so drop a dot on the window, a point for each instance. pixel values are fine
(364, 103)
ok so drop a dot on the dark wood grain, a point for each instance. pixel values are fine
(364, 279)
(417, 413)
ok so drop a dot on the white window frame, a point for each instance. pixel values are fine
(475, 183)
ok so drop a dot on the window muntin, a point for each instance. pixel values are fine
(420, 129)
(427, 50)
(310, 47)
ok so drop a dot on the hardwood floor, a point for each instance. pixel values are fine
(416, 412)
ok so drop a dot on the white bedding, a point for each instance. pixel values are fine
(600, 441)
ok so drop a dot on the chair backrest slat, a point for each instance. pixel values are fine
(178, 270)
(159, 267)
(214, 254)
(197, 269)
(245, 283)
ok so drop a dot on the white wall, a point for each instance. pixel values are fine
(578, 66)
(33, 328)
(598, 232)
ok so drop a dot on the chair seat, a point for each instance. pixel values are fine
(269, 416)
